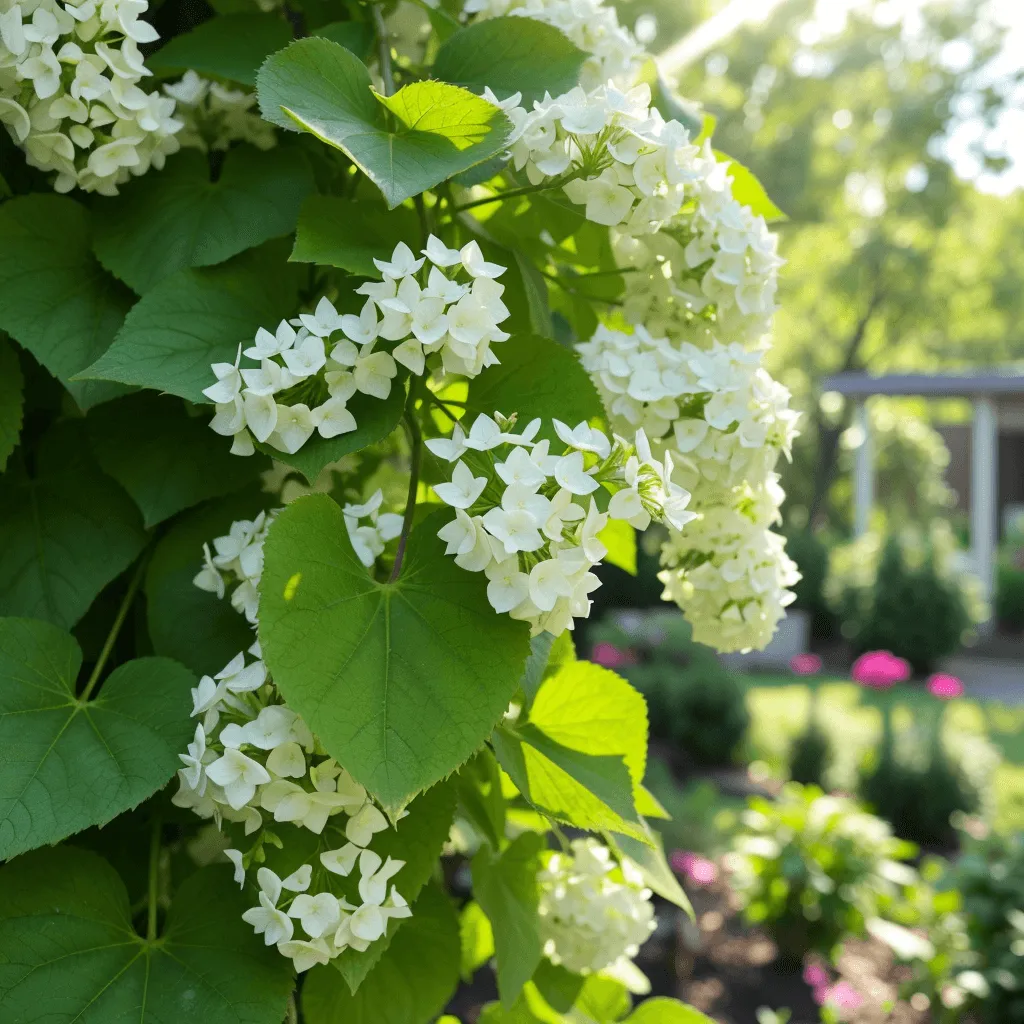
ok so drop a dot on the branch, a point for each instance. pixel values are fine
(383, 50)
(154, 879)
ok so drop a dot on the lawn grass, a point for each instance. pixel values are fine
(852, 717)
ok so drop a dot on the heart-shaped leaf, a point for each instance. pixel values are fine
(401, 681)
(434, 130)
(68, 951)
(66, 764)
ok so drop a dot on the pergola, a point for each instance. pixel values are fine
(994, 396)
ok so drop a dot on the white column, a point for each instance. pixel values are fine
(984, 493)
(863, 472)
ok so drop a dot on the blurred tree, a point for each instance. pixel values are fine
(850, 113)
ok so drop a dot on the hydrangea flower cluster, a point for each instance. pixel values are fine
(253, 761)
(237, 561)
(717, 408)
(311, 367)
(529, 520)
(594, 913)
(730, 574)
(70, 96)
(214, 116)
(370, 538)
(593, 27)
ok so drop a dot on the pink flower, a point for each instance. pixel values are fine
(815, 975)
(944, 686)
(610, 656)
(843, 996)
(879, 670)
(696, 868)
(805, 664)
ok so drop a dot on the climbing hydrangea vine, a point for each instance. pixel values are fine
(314, 444)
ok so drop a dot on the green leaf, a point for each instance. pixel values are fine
(661, 1010)
(511, 55)
(620, 540)
(64, 535)
(231, 46)
(405, 679)
(477, 938)
(603, 999)
(668, 102)
(478, 784)
(68, 951)
(356, 36)
(349, 233)
(536, 377)
(179, 218)
(559, 986)
(194, 318)
(604, 775)
(11, 401)
(535, 290)
(417, 839)
(375, 419)
(55, 298)
(583, 724)
(505, 885)
(185, 622)
(748, 191)
(436, 130)
(65, 765)
(172, 464)
(536, 664)
(412, 981)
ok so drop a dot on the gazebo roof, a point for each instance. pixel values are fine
(930, 385)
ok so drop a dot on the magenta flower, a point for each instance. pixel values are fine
(843, 996)
(879, 670)
(696, 868)
(805, 664)
(815, 975)
(610, 656)
(945, 686)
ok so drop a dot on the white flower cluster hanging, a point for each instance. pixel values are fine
(237, 562)
(593, 27)
(594, 912)
(214, 116)
(70, 95)
(254, 761)
(311, 367)
(529, 520)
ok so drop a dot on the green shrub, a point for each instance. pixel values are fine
(812, 868)
(990, 878)
(810, 755)
(921, 793)
(708, 716)
(812, 559)
(1009, 599)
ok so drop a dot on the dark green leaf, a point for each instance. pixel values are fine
(558, 986)
(536, 663)
(68, 951)
(175, 462)
(536, 291)
(409, 985)
(65, 765)
(375, 420)
(11, 401)
(231, 46)
(356, 36)
(179, 218)
(185, 622)
(194, 318)
(478, 784)
(536, 377)
(511, 55)
(55, 299)
(64, 535)
(320, 87)
(406, 679)
(505, 885)
(349, 233)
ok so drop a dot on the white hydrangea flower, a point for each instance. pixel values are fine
(529, 519)
(70, 94)
(369, 540)
(310, 367)
(237, 559)
(594, 912)
(591, 25)
(730, 574)
(214, 116)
